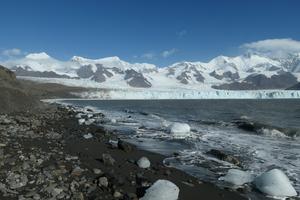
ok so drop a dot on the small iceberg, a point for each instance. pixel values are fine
(179, 129)
(275, 183)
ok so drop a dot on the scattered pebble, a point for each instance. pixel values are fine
(88, 136)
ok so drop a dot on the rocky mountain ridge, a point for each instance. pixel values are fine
(248, 71)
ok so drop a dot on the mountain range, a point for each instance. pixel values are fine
(250, 71)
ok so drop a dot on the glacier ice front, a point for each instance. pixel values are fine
(189, 94)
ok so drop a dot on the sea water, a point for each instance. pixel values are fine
(272, 140)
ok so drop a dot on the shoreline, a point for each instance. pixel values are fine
(65, 162)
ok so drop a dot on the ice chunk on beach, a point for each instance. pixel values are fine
(179, 129)
(275, 183)
(237, 177)
(79, 115)
(162, 189)
(89, 122)
(81, 121)
(143, 162)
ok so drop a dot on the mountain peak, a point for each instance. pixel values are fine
(77, 59)
(107, 59)
(38, 56)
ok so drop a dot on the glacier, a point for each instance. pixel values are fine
(96, 90)
(188, 94)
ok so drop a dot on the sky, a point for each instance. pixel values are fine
(153, 31)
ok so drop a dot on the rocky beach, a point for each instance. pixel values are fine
(57, 151)
(47, 153)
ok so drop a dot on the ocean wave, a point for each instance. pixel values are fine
(266, 129)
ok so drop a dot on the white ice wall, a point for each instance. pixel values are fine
(190, 94)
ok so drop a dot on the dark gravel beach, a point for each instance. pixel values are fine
(45, 156)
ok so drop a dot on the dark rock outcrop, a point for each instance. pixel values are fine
(19, 71)
(230, 75)
(217, 76)
(135, 79)
(183, 78)
(85, 71)
(223, 156)
(6, 75)
(260, 81)
(12, 96)
(101, 74)
(227, 75)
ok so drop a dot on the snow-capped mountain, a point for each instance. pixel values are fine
(248, 71)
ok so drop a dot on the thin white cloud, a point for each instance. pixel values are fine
(275, 47)
(12, 52)
(181, 33)
(168, 53)
(148, 55)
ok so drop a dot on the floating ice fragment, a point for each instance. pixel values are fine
(179, 129)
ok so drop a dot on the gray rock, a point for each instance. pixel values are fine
(117, 195)
(223, 156)
(108, 160)
(103, 182)
(97, 171)
(16, 180)
(77, 171)
(124, 146)
(85, 71)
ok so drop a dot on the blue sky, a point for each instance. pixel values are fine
(154, 31)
